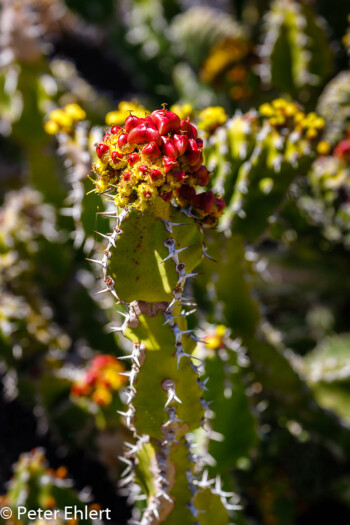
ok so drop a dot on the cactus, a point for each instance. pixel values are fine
(329, 178)
(36, 487)
(334, 106)
(148, 170)
(258, 155)
(28, 330)
(295, 54)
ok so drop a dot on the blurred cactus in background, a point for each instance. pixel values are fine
(174, 289)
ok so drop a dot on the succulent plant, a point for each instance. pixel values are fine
(149, 170)
(291, 58)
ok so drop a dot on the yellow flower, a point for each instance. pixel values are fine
(75, 112)
(117, 117)
(211, 118)
(185, 111)
(215, 341)
(102, 396)
(323, 148)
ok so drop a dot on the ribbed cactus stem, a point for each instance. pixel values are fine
(147, 167)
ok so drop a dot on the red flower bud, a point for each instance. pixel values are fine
(132, 122)
(134, 157)
(116, 156)
(186, 192)
(127, 176)
(169, 163)
(115, 129)
(122, 140)
(198, 165)
(179, 176)
(342, 150)
(147, 194)
(204, 201)
(169, 148)
(202, 176)
(167, 196)
(155, 174)
(150, 122)
(143, 133)
(180, 142)
(143, 168)
(199, 143)
(151, 149)
(220, 204)
(106, 137)
(193, 152)
(165, 121)
(189, 129)
(101, 150)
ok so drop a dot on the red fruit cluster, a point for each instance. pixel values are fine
(158, 155)
(100, 380)
(342, 150)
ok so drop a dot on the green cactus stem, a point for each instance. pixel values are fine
(296, 55)
(149, 170)
(258, 155)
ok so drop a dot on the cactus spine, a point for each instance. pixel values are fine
(144, 169)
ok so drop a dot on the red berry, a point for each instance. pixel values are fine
(134, 157)
(193, 152)
(167, 196)
(143, 133)
(169, 163)
(220, 204)
(102, 149)
(131, 123)
(189, 129)
(186, 192)
(147, 194)
(199, 164)
(179, 175)
(165, 121)
(202, 176)
(199, 143)
(127, 176)
(155, 174)
(115, 129)
(169, 148)
(150, 122)
(204, 201)
(116, 156)
(106, 137)
(180, 142)
(151, 149)
(122, 140)
(143, 168)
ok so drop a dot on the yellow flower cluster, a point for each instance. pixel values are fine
(211, 118)
(185, 111)
(280, 112)
(64, 120)
(125, 108)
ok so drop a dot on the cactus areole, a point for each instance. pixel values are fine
(152, 170)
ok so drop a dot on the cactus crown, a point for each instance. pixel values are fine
(155, 160)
